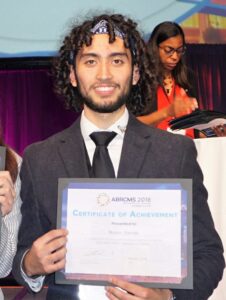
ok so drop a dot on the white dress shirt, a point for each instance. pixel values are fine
(114, 147)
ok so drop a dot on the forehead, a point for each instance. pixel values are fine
(174, 42)
(100, 46)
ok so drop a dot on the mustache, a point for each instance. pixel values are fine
(104, 83)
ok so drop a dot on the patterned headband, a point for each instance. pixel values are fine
(101, 28)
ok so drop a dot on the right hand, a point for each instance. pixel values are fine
(7, 192)
(182, 105)
(47, 254)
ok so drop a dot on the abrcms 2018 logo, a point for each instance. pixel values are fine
(103, 199)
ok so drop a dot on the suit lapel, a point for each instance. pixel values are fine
(73, 152)
(136, 146)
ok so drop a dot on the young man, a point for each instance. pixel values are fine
(103, 69)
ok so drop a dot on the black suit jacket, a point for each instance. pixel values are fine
(147, 153)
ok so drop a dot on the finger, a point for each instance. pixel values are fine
(5, 206)
(49, 243)
(195, 103)
(6, 203)
(114, 293)
(110, 295)
(6, 177)
(53, 234)
(55, 261)
(57, 245)
(132, 288)
(182, 92)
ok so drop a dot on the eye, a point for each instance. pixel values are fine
(169, 50)
(90, 62)
(117, 61)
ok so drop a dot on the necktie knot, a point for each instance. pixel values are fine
(102, 166)
(102, 138)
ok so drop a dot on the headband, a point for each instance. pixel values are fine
(101, 28)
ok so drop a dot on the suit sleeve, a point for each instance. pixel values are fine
(208, 260)
(31, 227)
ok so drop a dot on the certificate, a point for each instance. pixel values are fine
(135, 229)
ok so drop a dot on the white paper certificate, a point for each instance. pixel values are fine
(133, 230)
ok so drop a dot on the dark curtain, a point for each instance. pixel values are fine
(30, 111)
(209, 65)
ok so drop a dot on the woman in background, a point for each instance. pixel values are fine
(176, 93)
(10, 203)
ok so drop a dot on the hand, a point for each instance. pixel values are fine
(220, 130)
(7, 192)
(182, 105)
(130, 291)
(47, 254)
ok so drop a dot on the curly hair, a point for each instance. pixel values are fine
(81, 34)
(160, 33)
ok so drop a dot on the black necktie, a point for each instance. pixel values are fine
(102, 166)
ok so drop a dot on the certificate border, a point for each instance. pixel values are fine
(185, 185)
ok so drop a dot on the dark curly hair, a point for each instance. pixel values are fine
(160, 33)
(141, 94)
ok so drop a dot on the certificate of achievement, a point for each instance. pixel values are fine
(137, 229)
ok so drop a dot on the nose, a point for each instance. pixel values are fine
(175, 56)
(104, 71)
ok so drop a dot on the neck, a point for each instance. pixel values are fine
(167, 73)
(103, 120)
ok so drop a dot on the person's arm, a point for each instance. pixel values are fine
(180, 106)
(39, 252)
(10, 221)
(156, 117)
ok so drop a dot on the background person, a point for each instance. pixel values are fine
(176, 90)
(10, 203)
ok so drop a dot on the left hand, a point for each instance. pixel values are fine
(131, 291)
(7, 192)
(220, 130)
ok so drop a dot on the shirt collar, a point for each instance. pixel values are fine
(119, 126)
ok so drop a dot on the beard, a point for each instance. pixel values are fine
(109, 107)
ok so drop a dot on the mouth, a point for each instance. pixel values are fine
(171, 66)
(104, 90)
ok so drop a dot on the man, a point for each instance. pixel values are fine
(104, 69)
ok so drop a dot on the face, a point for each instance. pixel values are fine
(103, 74)
(168, 57)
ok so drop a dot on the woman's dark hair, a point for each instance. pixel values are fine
(141, 94)
(10, 162)
(161, 33)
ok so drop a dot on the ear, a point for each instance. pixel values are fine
(73, 77)
(136, 75)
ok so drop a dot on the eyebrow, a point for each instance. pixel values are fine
(93, 54)
(174, 47)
